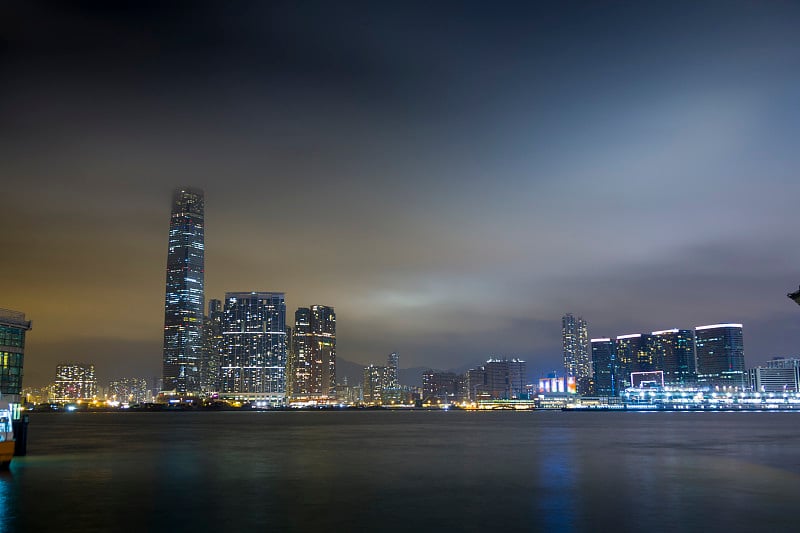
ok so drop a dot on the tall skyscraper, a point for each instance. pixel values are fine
(720, 355)
(312, 363)
(674, 354)
(183, 306)
(254, 354)
(575, 340)
(12, 353)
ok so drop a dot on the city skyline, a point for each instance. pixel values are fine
(451, 179)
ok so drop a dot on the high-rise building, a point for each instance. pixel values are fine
(12, 353)
(673, 350)
(720, 355)
(254, 353)
(606, 369)
(575, 340)
(183, 306)
(311, 366)
(74, 381)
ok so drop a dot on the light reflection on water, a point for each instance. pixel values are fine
(401, 471)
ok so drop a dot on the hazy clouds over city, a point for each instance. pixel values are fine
(451, 183)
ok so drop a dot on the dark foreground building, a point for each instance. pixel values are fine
(12, 353)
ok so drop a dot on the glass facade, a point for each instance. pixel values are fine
(254, 352)
(183, 307)
(12, 352)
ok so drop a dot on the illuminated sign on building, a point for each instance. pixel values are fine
(554, 385)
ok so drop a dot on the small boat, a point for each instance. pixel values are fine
(6, 436)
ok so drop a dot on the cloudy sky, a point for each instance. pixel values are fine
(451, 177)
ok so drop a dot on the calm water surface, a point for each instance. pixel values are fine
(406, 471)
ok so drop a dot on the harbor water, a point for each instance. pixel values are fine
(405, 471)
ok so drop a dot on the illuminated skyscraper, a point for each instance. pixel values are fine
(312, 361)
(575, 339)
(254, 353)
(720, 355)
(183, 306)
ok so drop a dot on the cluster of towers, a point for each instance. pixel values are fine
(242, 349)
(707, 356)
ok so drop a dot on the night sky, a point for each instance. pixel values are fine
(452, 177)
